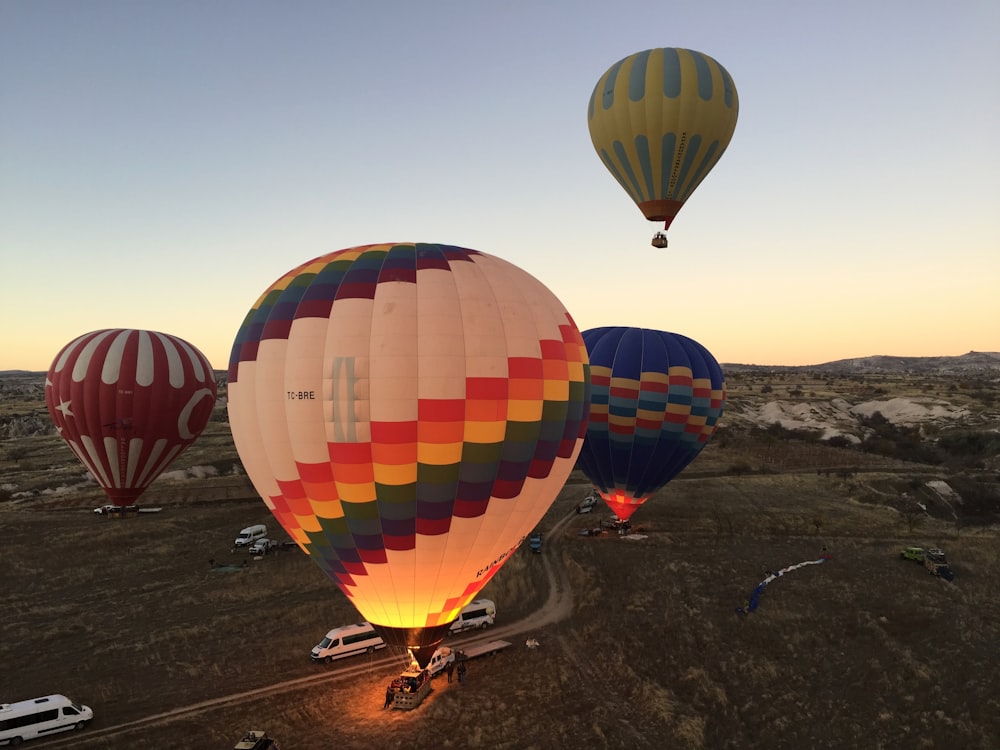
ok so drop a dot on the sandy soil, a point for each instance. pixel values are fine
(640, 645)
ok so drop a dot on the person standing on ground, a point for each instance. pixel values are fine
(462, 669)
(450, 668)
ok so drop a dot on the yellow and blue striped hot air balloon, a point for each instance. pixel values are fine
(660, 120)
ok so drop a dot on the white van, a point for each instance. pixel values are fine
(41, 717)
(347, 641)
(251, 534)
(262, 546)
(479, 613)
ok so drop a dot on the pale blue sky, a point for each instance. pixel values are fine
(161, 163)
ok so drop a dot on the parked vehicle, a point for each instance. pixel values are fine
(40, 717)
(441, 658)
(256, 739)
(263, 546)
(936, 563)
(479, 613)
(110, 510)
(251, 534)
(588, 503)
(447, 655)
(347, 641)
(934, 557)
(535, 542)
(934, 560)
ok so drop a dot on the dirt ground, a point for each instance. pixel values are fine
(866, 650)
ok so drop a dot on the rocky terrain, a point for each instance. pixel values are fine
(867, 650)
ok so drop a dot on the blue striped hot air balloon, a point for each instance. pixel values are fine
(656, 400)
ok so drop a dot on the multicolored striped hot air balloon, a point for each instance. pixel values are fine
(656, 399)
(408, 412)
(660, 120)
(128, 403)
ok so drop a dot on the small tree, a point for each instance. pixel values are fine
(16, 452)
(740, 468)
(913, 519)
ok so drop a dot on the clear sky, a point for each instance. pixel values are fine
(162, 163)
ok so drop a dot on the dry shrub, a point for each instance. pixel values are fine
(705, 692)
(689, 733)
(859, 652)
(654, 699)
(598, 732)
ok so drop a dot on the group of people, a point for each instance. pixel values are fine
(462, 670)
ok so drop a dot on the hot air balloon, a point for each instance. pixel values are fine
(656, 400)
(660, 120)
(128, 402)
(408, 412)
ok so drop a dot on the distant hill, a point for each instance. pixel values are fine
(881, 363)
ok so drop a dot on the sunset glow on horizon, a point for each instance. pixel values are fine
(164, 163)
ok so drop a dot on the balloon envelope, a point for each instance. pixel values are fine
(128, 402)
(408, 412)
(656, 400)
(660, 120)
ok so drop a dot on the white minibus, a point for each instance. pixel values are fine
(479, 613)
(251, 534)
(40, 717)
(347, 641)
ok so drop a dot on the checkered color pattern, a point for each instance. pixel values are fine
(656, 400)
(408, 412)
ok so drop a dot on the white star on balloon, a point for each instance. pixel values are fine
(64, 408)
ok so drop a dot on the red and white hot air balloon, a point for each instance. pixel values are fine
(128, 402)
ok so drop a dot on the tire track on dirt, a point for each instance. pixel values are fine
(558, 606)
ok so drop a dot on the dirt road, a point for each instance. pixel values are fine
(557, 607)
